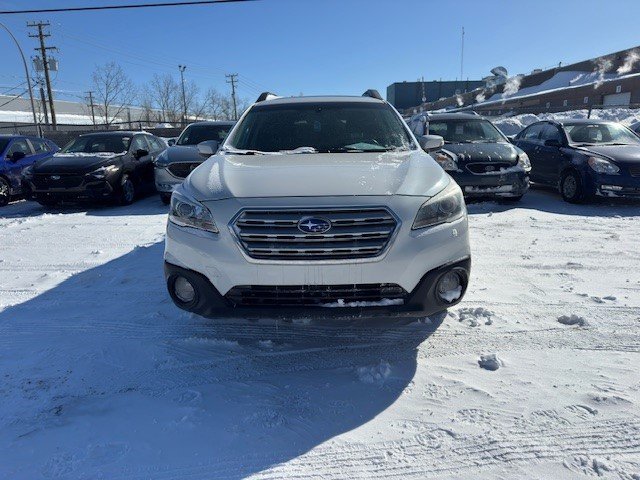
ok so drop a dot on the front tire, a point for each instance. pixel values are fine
(572, 188)
(5, 192)
(127, 191)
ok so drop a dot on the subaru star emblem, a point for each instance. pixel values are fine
(314, 225)
(55, 177)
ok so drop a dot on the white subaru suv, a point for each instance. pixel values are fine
(313, 203)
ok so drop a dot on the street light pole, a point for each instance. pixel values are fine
(26, 72)
(182, 68)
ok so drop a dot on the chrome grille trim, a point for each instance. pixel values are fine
(356, 233)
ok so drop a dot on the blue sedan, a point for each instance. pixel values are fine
(583, 158)
(17, 153)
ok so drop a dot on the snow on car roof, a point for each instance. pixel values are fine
(319, 99)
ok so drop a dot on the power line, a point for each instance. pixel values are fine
(120, 7)
(14, 98)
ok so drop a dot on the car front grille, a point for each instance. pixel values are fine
(56, 180)
(182, 170)
(353, 233)
(487, 167)
(315, 295)
(635, 171)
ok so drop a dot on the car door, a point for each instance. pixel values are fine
(140, 151)
(19, 155)
(549, 154)
(529, 141)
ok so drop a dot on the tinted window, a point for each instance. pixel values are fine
(139, 143)
(532, 133)
(156, 143)
(40, 146)
(466, 131)
(99, 144)
(3, 143)
(551, 132)
(194, 134)
(324, 126)
(19, 145)
(593, 133)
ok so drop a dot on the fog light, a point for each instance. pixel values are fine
(450, 287)
(183, 290)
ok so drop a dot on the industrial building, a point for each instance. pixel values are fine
(403, 95)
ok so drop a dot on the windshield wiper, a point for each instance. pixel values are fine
(237, 151)
(300, 150)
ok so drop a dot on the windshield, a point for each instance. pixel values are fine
(98, 144)
(321, 127)
(3, 144)
(194, 134)
(466, 131)
(600, 133)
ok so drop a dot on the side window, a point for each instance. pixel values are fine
(40, 146)
(19, 145)
(156, 143)
(551, 132)
(139, 143)
(532, 134)
(418, 126)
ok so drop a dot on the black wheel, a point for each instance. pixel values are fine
(166, 198)
(5, 192)
(571, 187)
(127, 192)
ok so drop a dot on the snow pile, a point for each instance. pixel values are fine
(513, 125)
(490, 361)
(473, 317)
(375, 374)
(572, 319)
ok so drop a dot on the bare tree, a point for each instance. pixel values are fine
(113, 90)
(220, 106)
(164, 92)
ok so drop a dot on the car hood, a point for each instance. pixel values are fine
(184, 153)
(487, 152)
(74, 162)
(309, 175)
(620, 153)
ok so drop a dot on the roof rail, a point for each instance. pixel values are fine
(266, 96)
(372, 94)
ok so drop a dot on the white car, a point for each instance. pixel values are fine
(313, 203)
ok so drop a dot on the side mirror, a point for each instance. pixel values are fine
(552, 142)
(171, 142)
(512, 139)
(429, 143)
(17, 156)
(140, 153)
(208, 147)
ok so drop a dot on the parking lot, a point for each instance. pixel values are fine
(103, 377)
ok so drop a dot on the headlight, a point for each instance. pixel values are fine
(162, 160)
(523, 161)
(188, 212)
(446, 161)
(601, 165)
(445, 207)
(27, 173)
(102, 172)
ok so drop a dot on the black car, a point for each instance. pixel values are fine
(583, 158)
(96, 166)
(476, 154)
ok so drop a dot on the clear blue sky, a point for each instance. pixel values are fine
(322, 46)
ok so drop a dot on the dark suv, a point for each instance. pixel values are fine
(96, 166)
(476, 154)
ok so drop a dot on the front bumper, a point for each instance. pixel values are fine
(166, 182)
(412, 254)
(616, 186)
(87, 192)
(499, 184)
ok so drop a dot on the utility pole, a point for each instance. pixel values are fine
(43, 99)
(182, 68)
(41, 35)
(232, 79)
(91, 106)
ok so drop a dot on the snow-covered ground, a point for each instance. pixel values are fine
(535, 375)
(512, 125)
